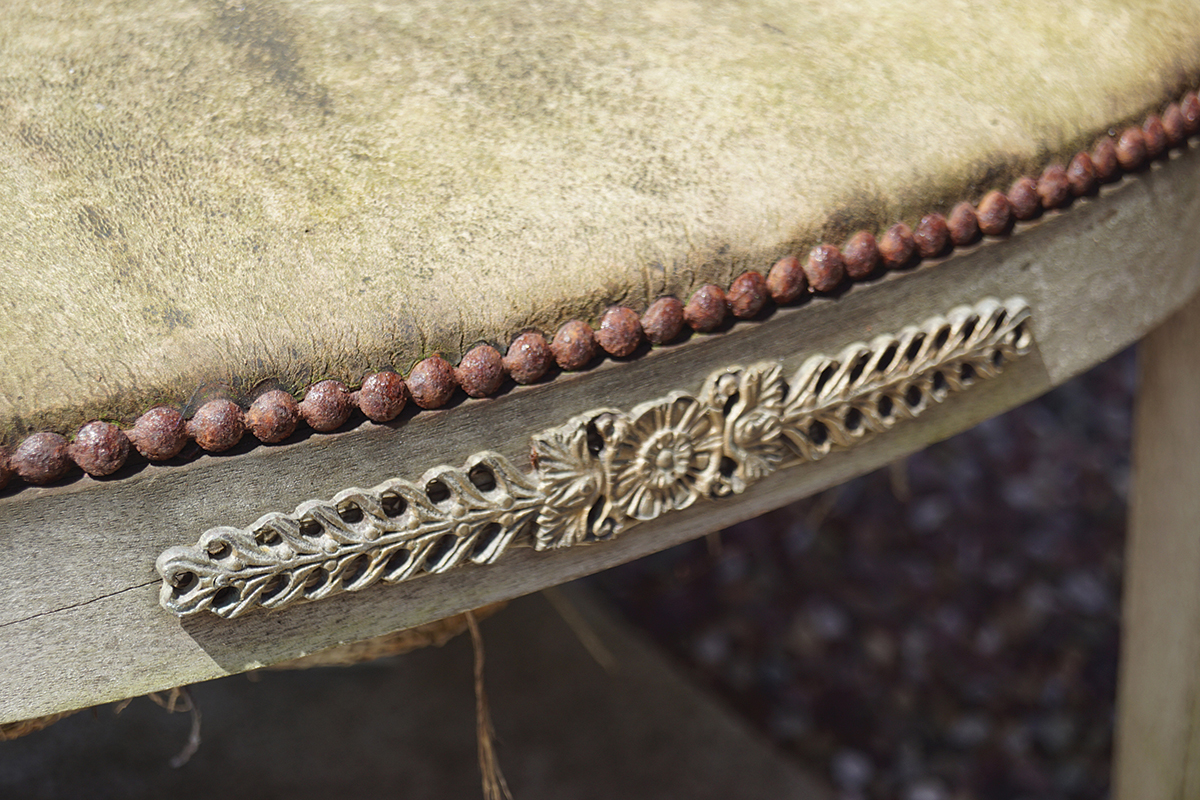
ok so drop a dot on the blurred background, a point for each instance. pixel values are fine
(944, 628)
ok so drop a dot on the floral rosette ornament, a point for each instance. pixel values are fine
(606, 471)
(669, 456)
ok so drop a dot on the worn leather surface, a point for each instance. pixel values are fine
(204, 193)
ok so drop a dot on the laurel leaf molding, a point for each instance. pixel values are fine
(599, 474)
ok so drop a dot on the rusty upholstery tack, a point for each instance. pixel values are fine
(101, 448)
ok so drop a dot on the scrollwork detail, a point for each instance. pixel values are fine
(361, 537)
(748, 406)
(573, 463)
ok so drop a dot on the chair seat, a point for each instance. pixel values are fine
(231, 195)
(293, 291)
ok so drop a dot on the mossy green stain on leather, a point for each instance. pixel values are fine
(207, 192)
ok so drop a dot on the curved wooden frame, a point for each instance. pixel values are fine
(82, 624)
(598, 475)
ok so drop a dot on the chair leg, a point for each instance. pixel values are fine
(1157, 752)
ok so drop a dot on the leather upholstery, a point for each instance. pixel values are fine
(203, 193)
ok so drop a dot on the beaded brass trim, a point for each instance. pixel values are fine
(598, 475)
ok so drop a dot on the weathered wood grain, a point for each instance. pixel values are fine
(80, 622)
(1158, 731)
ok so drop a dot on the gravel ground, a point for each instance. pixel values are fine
(945, 628)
